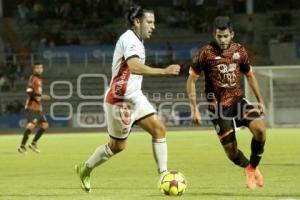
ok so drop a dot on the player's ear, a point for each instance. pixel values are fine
(136, 22)
(232, 34)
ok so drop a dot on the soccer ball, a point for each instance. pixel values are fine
(173, 183)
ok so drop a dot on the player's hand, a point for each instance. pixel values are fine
(172, 69)
(46, 97)
(196, 117)
(262, 108)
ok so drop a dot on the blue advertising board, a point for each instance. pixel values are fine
(93, 53)
(19, 121)
(76, 54)
(298, 49)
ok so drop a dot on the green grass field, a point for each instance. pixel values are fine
(132, 174)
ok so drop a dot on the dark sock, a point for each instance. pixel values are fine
(257, 149)
(38, 135)
(241, 160)
(25, 137)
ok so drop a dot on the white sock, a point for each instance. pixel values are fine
(160, 152)
(101, 154)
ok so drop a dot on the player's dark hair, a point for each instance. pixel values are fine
(222, 23)
(136, 12)
(37, 63)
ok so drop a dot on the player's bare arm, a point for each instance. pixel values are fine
(255, 89)
(46, 97)
(191, 91)
(136, 67)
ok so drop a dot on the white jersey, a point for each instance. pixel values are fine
(124, 85)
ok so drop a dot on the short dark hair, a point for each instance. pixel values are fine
(222, 22)
(136, 12)
(37, 63)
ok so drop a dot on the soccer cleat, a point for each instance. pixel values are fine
(22, 149)
(250, 177)
(84, 175)
(34, 148)
(259, 178)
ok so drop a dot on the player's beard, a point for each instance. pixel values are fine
(224, 46)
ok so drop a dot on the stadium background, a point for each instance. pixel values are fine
(74, 39)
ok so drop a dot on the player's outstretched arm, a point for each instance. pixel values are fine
(136, 67)
(192, 95)
(255, 89)
(46, 97)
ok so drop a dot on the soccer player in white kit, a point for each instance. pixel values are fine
(124, 103)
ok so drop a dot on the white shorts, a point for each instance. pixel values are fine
(121, 116)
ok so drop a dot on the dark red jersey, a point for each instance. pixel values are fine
(34, 91)
(222, 70)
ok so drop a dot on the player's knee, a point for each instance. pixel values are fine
(30, 126)
(117, 149)
(260, 133)
(159, 131)
(44, 125)
(117, 146)
(258, 129)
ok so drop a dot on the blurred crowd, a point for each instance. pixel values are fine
(13, 66)
(56, 17)
(12, 108)
(73, 11)
(9, 74)
(71, 22)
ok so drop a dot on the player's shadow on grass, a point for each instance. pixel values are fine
(9, 152)
(36, 195)
(282, 164)
(229, 194)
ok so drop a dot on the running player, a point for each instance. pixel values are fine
(34, 109)
(124, 102)
(223, 62)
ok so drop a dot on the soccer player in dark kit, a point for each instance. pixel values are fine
(34, 109)
(222, 62)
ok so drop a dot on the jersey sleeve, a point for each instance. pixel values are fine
(245, 62)
(198, 63)
(130, 47)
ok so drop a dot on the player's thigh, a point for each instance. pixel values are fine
(31, 116)
(225, 130)
(153, 125)
(32, 119)
(143, 108)
(248, 113)
(42, 120)
(119, 120)
(147, 118)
